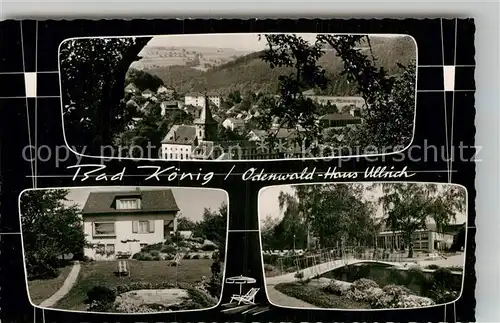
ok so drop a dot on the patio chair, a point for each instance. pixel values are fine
(177, 260)
(248, 298)
(123, 268)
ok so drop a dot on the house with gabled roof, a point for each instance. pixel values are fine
(120, 224)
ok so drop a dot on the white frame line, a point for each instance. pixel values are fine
(238, 160)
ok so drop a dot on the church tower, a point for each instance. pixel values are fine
(206, 126)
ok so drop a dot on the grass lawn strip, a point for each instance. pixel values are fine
(101, 273)
(41, 289)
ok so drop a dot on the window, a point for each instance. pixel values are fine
(100, 248)
(104, 229)
(110, 248)
(143, 226)
(128, 204)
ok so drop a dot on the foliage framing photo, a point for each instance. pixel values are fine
(390, 99)
(51, 229)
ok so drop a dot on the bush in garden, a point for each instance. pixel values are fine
(363, 290)
(268, 267)
(100, 298)
(395, 296)
(169, 257)
(156, 258)
(155, 253)
(195, 256)
(208, 247)
(433, 266)
(299, 275)
(337, 288)
(186, 256)
(206, 257)
(168, 249)
(143, 256)
(151, 247)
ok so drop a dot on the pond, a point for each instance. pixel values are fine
(417, 281)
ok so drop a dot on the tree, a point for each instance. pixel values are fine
(291, 107)
(410, 206)
(143, 80)
(269, 240)
(51, 228)
(93, 106)
(390, 99)
(185, 224)
(213, 225)
(150, 130)
(292, 228)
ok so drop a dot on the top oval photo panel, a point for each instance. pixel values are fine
(227, 97)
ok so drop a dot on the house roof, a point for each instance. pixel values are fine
(198, 94)
(180, 134)
(235, 121)
(151, 201)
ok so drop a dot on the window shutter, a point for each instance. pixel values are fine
(151, 226)
(135, 226)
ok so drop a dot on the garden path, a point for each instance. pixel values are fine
(65, 288)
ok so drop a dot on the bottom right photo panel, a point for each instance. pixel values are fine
(363, 245)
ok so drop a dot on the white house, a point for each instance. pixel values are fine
(199, 99)
(121, 223)
(166, 91)
(168, 105)
(233, 123)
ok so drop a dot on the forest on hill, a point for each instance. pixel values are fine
(251, 73)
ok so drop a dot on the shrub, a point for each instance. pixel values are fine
(168, 249)
(186, 256)
(395, 296)
(155, 253)
(143, 256)
(441, 294)
(335, 287)
(195, 256)
(206, 257)
(156, 258)
(169, 257)
(268, 267)
(100, 298)
(364, 284)
(208, 247)
(433, 266)
(157, 247)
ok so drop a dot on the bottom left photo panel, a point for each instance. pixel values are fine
(124, 249)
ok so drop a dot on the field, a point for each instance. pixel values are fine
(41, 289)
(159, 56)
(102, 273)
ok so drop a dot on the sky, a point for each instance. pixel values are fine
(245, 42)
(191, 201)
(269, 206)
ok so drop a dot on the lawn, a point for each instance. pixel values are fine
(316, 296)
(102, 273)
(41, 289)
